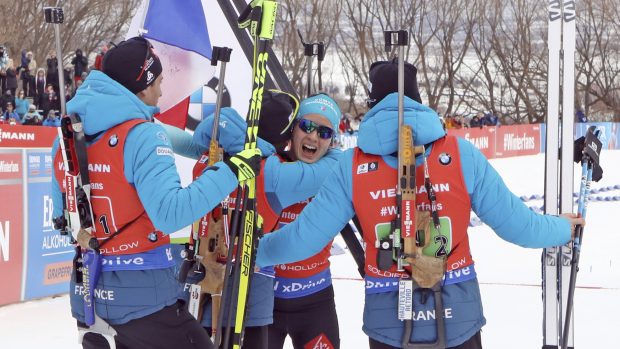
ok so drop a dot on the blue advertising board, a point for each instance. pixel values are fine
(49, 253)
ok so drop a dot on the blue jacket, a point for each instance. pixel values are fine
(286, 183)
(21, 106)
(332, 208)
(51, 122)
(102, 104)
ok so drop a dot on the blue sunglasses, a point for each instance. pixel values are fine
(308, 126)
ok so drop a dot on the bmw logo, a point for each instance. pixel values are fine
(445, 158)
(113, 141)
(152, 237)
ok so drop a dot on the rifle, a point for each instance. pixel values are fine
(410, 231)
(310, 50)
(77, 221)
(208, 245)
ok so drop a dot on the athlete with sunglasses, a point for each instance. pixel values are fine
(288, 131)
(304, 306)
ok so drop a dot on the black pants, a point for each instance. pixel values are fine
(311, 321)
(472, 343)
(253, 337)
(171, 327)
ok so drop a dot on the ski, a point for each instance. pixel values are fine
(556, 261)
(259, 17)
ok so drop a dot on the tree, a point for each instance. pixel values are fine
(317, 21)
(598, 57)
(88, 24)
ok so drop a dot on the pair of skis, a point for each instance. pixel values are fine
(560, 264)
(233, 281)
(260, 17)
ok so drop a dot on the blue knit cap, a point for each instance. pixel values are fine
(323, 105)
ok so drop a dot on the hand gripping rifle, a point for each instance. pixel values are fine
(260, 17)
(590, 156)
(78, 222)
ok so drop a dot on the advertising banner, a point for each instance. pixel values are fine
(17, 136)
(482, 138)
(517, 140)
(11, 225)
(49, 254)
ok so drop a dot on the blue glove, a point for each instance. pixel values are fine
(231, 133)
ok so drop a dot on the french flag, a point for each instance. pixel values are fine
(179, 34)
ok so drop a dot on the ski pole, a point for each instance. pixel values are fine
(590, 158)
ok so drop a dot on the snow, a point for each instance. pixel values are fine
(509, 276)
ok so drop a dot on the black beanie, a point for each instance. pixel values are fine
(277, 114)
(133, 64)
(383, 80)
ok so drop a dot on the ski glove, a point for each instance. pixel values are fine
(245, 164)
(579, 144)
(231, 133)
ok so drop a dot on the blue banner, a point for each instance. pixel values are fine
(49, 254)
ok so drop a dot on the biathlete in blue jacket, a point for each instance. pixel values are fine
(135, 188)
(364, 184)
(282, 187)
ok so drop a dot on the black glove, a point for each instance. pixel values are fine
(597, 170)
(245, 164)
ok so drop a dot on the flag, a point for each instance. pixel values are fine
(179, 34)
(177, 115)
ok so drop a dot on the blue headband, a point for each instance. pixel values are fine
(323, 105)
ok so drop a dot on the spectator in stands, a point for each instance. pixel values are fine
(449, 119)
(6, 98)
(490, 120)
(21, 104)
(80, 65)
(52, 119)
(475, 122)
(28, 69)
(580, 116)
(40, 83)
(32, 117)
(99, 57)
(11, 77)
(343, 126)
(11, 115)
(457, 121)
(4, 62)
(52, 70)
(69, 91)
(50, 100)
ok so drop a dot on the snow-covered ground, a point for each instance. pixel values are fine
(509, 275)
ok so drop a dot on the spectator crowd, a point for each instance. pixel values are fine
(36, 100)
